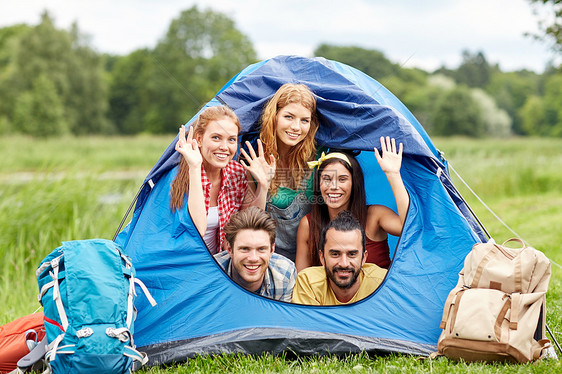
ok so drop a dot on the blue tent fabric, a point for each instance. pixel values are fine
(202, 311)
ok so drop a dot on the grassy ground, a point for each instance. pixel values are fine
(53, 190)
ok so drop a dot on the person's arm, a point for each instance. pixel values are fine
(303, 293)
(189, 149)
(261, 172)
(390, 162)
(302, 259)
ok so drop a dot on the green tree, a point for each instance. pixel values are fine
(457, 113)
(497, 122)
(40, 111)
(129, 98)
(552, 105)
(369, 61)
(551, 26)
(8, 39)
(404, 81)
(89, 87)
(446, 72)
(422, 100)
(73, 67)
(532, 116)
(511, 90)
(474, 70)
(9, 82)
(200, 52)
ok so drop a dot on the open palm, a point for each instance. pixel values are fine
(262, 170)
(391, 158)
(189, 148)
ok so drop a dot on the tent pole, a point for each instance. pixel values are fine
(471, 211)
(127, 213)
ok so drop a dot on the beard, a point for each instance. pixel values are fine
(346, 283)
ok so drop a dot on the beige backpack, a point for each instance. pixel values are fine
(497, 310)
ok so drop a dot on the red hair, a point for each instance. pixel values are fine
(304, 151)
(180, 185)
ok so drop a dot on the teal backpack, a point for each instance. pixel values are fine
(87, 289)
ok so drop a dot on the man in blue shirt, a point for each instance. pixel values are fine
(249, 258)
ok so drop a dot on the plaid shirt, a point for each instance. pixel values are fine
(231, 194)
(279, 279)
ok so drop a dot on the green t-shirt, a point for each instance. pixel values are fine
(285, 195)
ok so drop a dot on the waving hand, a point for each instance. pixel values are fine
(391, 158)
(189, 148)
(262, 170)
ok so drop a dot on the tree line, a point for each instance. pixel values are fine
(52, 82)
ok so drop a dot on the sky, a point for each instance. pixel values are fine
(426, 34)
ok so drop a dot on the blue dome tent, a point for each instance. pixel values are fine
(202, 311)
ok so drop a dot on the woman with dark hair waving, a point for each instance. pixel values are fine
(288, 126)
(339, 186)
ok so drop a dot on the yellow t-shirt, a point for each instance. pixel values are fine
(313, 288)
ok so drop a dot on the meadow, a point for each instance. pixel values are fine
(53, 190)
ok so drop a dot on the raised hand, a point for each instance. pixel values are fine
(391, 159)
(189, 148)
(262, 170)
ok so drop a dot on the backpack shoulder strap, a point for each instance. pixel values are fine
(480, 269)
(56, 292)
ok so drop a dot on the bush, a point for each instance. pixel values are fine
(40, 111)
(458, 114)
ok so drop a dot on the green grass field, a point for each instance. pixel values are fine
(52, 190)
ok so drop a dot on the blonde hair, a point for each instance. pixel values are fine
(304, 151)
(180, 185)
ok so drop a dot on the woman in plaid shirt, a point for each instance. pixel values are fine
(215, 183)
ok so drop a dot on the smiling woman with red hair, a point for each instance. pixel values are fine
(214, 182)
(288, 127)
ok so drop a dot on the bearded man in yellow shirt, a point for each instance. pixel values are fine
(344, 277)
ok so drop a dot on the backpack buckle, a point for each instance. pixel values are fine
(122, 334)
(84, 332)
